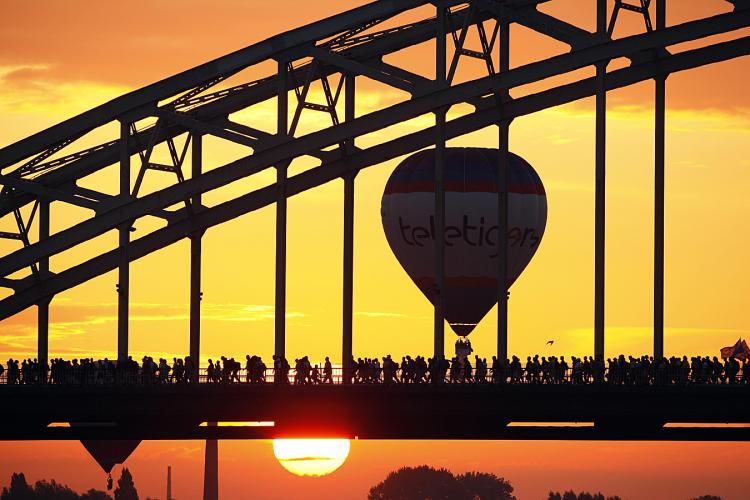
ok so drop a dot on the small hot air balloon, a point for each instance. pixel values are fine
(408, 213)
(108, 452)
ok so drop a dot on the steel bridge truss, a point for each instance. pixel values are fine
(332, 55)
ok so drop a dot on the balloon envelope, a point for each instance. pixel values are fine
(471, 210)
(107, 452)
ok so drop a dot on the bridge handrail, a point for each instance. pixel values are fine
(658, 377)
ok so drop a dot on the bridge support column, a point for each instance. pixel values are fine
(599, 222)
(211, 468)
(439, 303)
(123, 284)
(43, 306)
(281, 176)
(348, 272)
(659, 113)
(502, 207)
(195, 264)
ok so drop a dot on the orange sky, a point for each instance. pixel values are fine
(60, 58)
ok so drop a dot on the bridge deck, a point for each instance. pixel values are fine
(377, 412)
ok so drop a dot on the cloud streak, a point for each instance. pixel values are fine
(19, 337)
(379, 314)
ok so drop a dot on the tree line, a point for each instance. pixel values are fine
(407, 483)
(427, 483)
(20, 489)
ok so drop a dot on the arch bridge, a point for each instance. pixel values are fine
(44, 171)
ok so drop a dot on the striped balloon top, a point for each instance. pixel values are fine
(467, 170)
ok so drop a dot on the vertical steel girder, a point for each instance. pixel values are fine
(43, 306)
(659, 130)
(348, 271)
(195, 263)
(123, 284)
(599, 219)
(440, 116)
(502, 206)
(281, 205)
(659, 126)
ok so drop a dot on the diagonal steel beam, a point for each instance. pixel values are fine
(105, 199)
(558, 29)
(365, 158)
(416, 79)
(192, 124)
(265, 139)
(40, 190)
(356, 68)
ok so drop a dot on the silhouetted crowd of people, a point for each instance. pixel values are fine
(621, 370)
(88, 371)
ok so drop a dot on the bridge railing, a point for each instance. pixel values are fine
(80, 375)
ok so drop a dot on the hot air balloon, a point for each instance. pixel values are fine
(108, 453)
(408, 213)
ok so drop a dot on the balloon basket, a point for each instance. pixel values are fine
(463, 348)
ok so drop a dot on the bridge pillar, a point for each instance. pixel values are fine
(211, 468)
(599, 218)
(440, 77)
(281, 205)
(659, 115)
(43, 306)
(195, 262)
(348, 272)
(123, 285)
(502, 207)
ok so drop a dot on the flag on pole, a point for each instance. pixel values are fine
(739, 350)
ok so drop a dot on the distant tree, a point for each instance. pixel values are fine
(93, 494)
(53, 491)
(572, 495)
(43, 490)
(707, 497)
(486, 486)
(18, 489)
(419, 483)
(126, 487)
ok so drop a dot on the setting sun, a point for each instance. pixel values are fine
(311, 457)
